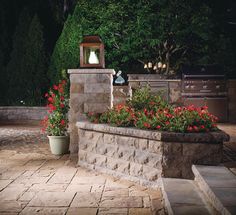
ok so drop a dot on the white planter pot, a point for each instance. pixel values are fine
(59, 144)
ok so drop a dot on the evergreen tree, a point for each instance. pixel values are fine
(16, 69)
(35, 66)
(66, 51)
(27, 67)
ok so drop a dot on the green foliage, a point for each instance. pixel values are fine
(35, 63)
(66, 51)
(133, 32)
(27, 67)
(157, 115)
(56, 122)
(143, 99)
(16, 66)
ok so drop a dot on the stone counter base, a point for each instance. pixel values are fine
(144, 160)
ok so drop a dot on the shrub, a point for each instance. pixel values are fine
(143, 98)
(144, 113)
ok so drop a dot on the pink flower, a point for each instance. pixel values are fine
(62, 122)
(55, 87)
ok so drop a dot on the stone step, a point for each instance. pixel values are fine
(219, 186)
(183, 196)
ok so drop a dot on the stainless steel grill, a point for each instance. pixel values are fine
(206, 85)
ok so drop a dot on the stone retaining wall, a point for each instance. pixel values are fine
(21, 113)
(146, 156)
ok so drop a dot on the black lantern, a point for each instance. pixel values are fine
(92, 52)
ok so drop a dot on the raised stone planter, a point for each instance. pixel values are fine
(146, 156)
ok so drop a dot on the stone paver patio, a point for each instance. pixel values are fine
(32, 181)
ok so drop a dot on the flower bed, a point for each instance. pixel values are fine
(144, 156)
(146, 111)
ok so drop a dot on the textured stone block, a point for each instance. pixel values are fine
(154, 160)
(77, 78)
(96, 107)
(172, 166)
(99, 78)
(91, 158)
(101, 149)
(125, 141)
(172, 148)
(82, 155)
(112, 164)
(151, 174)
(126, 153)
(97, 88)
(109, 139)
(101, 160)
(141, 157)
(202, 150)
(112, 151)
(77, 88)
(155, 146)
(123, 167)
(136, 169)
(141, 144)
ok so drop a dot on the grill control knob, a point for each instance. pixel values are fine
(204, 86)
(187, 87)
(192, 87)
(217, 86)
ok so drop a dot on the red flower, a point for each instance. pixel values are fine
(62, 98)
(55, 87)
(204, 107)
(62, 122)
(50, 99)
(146, 125)
(167, 123)
(62, 105)
(63, 81)
(152, 103)
(158, 127)
(46, 95)
(195, 128)
(190, 128)
(60, 89)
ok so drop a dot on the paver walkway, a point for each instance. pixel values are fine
(32, 181)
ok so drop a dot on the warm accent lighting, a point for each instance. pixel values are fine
(92, 52)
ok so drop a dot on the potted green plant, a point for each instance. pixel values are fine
(55, 124)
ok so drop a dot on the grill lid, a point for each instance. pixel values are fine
(203, 71)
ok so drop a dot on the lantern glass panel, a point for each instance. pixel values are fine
(91, 55)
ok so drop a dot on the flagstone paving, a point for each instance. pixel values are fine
(32, 181)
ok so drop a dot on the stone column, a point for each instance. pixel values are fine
(91, 90)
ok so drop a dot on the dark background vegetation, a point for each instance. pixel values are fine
(40, 38)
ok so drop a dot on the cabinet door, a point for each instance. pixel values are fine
(216, 106)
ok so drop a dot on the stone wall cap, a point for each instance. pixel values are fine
(23, 107)
(209, 137)
(149, 77)
(91, 71)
